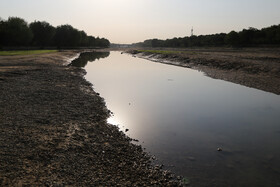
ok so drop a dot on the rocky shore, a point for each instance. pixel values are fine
(253, 67)
(53, 130)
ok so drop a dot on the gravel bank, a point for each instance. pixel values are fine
(53, 130)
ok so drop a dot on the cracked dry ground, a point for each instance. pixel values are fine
(53, 130)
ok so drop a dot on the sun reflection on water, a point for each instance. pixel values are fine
(112, 120)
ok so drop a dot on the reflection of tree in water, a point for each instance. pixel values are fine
(86, 57)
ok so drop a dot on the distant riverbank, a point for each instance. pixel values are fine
(253, 67)
(54, 130)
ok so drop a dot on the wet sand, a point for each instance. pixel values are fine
(53, 130)
(253, 67)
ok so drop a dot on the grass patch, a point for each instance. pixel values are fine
(26, 52)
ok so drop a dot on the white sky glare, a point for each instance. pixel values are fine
(130, 21)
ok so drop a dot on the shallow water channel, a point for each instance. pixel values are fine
(182, 117)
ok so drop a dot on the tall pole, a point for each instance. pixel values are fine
(192, 32)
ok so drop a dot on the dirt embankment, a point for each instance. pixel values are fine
(53, 130)
(256, 67)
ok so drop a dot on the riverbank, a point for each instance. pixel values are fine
(253, 67)
(53, 130)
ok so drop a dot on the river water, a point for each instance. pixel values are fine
(182, 117)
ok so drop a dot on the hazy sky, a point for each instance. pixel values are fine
(129, 21)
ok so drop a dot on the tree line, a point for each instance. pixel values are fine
(251, 37)
(16, 32)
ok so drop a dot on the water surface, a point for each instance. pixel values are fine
(182, 117)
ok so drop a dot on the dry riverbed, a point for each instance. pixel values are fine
(53, 130)
(253, 67)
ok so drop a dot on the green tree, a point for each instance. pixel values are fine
(3, 28)
(43, 33)
(83, 39)
(91, 41)
(16, 32)
(247, 36)
(67, 36)
(102, 42)
(232, 39)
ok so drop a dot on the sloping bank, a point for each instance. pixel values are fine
(53, 130)
(253, 67)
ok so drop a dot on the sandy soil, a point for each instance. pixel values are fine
(53, 130)
(254, 67)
